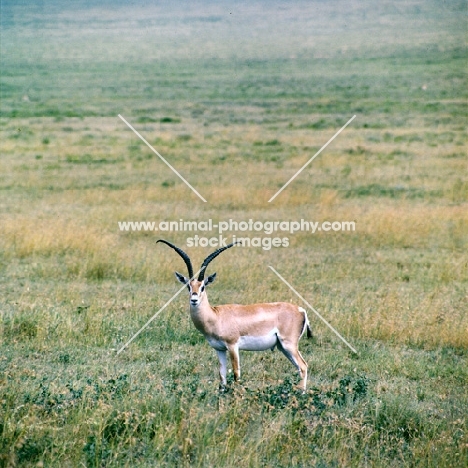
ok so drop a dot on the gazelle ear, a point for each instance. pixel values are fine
(210, 279)
(181, 278)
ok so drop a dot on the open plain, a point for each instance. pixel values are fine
(237, 96)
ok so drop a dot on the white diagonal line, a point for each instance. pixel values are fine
(310, 307)
(162, 159)
(311, 159)
(156, 314)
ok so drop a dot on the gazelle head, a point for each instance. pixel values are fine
(197, 286)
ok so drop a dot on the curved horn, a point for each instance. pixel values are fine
(182, 254)
(210, 257)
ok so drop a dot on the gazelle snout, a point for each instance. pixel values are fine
(194, 299)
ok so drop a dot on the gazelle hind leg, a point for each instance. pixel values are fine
(292, 353)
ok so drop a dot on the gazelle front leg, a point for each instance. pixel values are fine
(234, 355)
(222, 356)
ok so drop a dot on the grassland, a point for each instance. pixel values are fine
(237, 98)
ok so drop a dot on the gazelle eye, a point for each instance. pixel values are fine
(202, 288)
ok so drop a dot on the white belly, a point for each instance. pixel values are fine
(219, 345)
(258, 343)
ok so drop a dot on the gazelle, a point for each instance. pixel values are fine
(253, 327)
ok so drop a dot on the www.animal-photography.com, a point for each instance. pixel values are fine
(233, 233)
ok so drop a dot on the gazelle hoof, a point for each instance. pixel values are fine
(222, 388)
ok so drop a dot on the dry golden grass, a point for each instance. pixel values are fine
(78, 236)
(74, 232)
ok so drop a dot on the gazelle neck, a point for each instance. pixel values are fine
(202, 314)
